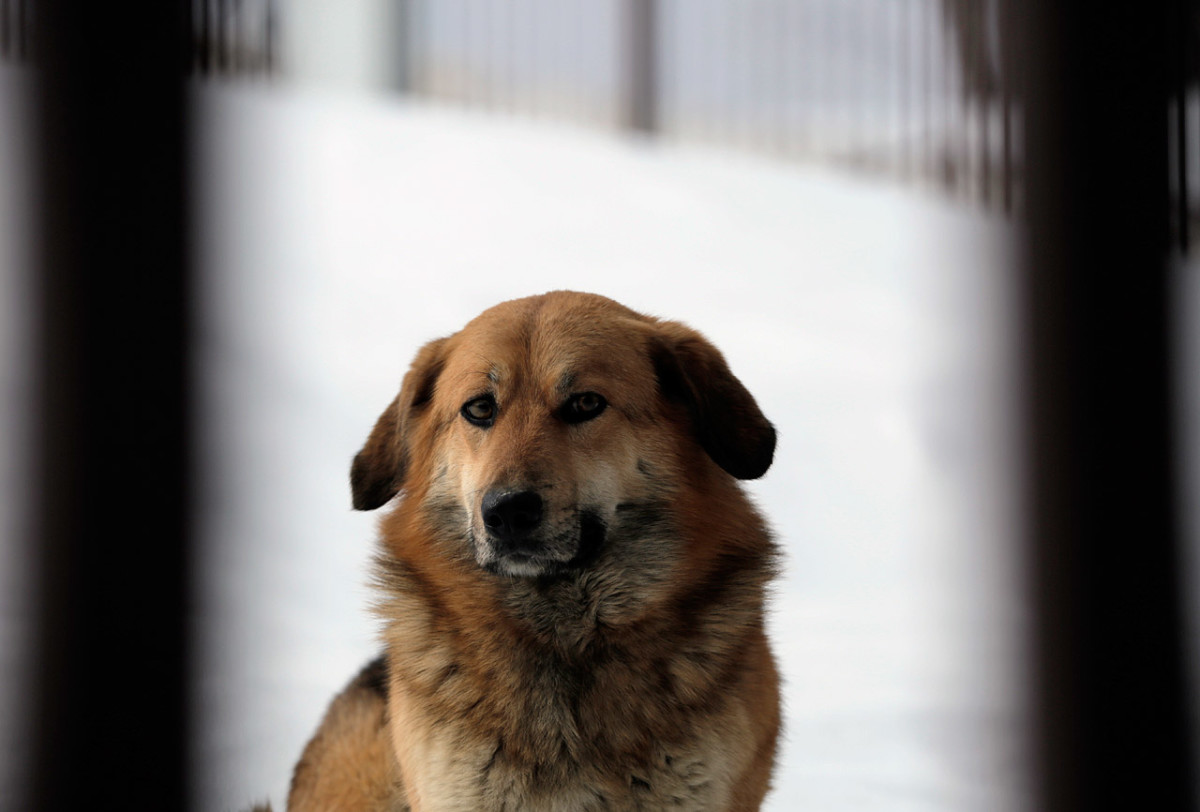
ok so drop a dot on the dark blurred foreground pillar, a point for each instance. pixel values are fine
(1111, 701)
(112, 400)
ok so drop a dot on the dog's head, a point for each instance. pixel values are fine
(547, 422)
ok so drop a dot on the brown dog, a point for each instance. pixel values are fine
(572, 579)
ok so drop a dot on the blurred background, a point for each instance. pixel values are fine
(833, 191)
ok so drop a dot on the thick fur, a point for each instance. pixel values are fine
(620, 665)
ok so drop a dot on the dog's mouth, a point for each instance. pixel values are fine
(559, 555)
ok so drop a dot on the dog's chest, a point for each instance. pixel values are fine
(479, 726)
(529, 744)
(481, 777)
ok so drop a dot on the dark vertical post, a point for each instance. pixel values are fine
(1112, 717)
(112, 469)
(640, 72)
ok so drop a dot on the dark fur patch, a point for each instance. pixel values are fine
(374, 676)
(724, 417)
(378, 471)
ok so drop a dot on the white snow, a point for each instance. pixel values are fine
(343, 232)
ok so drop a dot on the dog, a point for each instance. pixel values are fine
(572, 581)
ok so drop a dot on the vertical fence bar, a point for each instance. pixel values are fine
(510, 19)
(112, 386)
(720, 70)
(1179, 86)
(974, 97)
(1008, 68)
(270, 34)
(846, 66)
(200, 37)
(21, 29)
(1109, 686)
(5, 29)
(404, 56)
(949, 109)
(221, 60)
(237, 32)
(640, 23)
(834, 79)
(778, 87)
(541, 65)
(418, 42)
(736, 65)
(488, 14)
(668, 76)
(792, 17)
(894, 77)
(986, 100)
(956, 102)
(466, 61)
(929, 29)
(906, 96)
(211, 17)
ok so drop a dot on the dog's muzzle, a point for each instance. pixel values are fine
(512, 520)
(522, 542)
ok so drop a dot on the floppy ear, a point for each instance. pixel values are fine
(725, 419)
(377, 473)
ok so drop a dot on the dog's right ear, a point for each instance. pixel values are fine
(378, 471)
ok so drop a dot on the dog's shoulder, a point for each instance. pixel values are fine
(348, 763)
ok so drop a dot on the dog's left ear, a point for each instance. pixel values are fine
(725, 419)
(380, 467)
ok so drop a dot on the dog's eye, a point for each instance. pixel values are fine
(480, 411)
(584, 406)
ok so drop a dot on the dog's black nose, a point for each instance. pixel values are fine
(511, 516)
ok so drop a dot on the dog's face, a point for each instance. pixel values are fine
(535, 430)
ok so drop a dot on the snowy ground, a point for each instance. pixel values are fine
(341, 233)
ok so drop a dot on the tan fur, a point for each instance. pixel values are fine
(348, 765)
(629, 673)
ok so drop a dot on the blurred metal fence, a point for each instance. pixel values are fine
(920, 89)
(227, 37)
(234, 37)
(15, 26)
(1183, 81)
